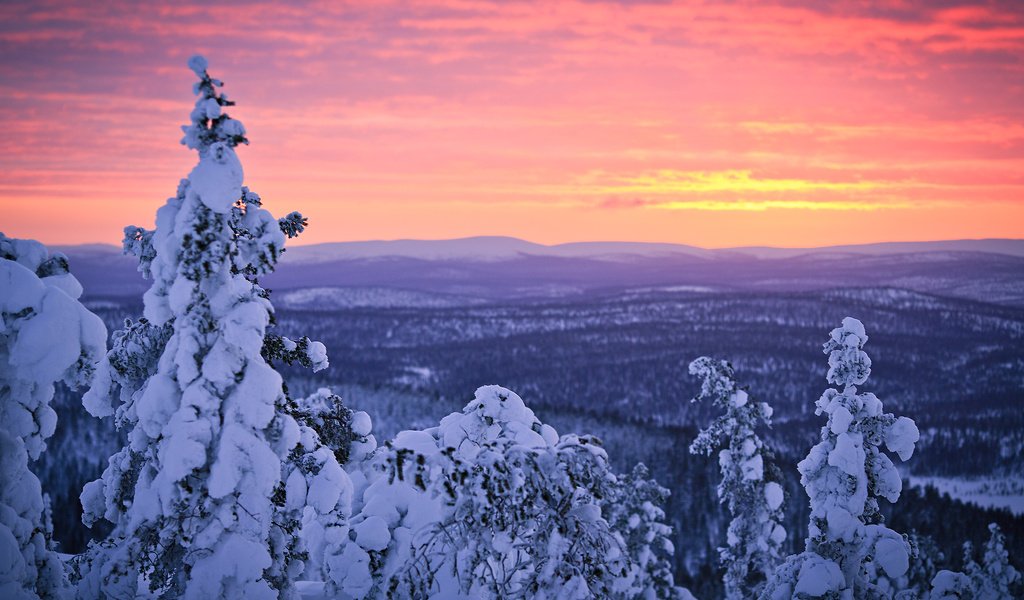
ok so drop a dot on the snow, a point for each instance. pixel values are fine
(217, 179)
(360, 423)
(753, 468)
(848, 454)
(317, 354)
(892, 555)
(773, 495)
(902, 437)
(948, 585)
(818, 577)
(198, 64)
(334, 298)
(372, 534)
(841, 419)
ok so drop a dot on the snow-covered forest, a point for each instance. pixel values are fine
(230, 484)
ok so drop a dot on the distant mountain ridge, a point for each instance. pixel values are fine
(428, 273)
(486, 248)
(503, 247)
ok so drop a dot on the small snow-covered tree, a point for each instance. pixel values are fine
(845, 474)
(202, 498)
(494, 504)
(995, 577)
(750, 479)
(46, 336)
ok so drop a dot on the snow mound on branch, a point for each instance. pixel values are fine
(818, 577)
(217, 179)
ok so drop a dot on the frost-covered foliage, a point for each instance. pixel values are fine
(848, 548)
(209, 494)
(46, 336)
(750, 484)
(492, 503)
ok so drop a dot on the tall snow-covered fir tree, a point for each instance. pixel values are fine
(845, 474)
(750, 479)
(46, 336)
(198, 496)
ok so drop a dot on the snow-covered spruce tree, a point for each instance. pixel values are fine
(198, 496)
(493, 504)
(46, 336)
(995, 577)
(844, 475)
(750, 479)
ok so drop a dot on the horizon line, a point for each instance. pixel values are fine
(600, 241)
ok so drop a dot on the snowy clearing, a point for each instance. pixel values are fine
(988, 492)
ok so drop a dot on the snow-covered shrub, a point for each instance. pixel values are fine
(949, 585)
(209, 494)
(750, 484)
(494, 504)
(318, 486)
(845, 474)
(46, 336)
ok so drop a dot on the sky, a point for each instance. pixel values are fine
(716, 124)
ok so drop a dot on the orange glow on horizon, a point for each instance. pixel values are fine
(703, 123)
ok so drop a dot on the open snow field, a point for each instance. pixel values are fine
(987, 492)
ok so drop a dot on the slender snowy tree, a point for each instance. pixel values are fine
(634, 512)
(46, 336)
(845, 474)
(750, 479)
(198, 497)
(995, 577)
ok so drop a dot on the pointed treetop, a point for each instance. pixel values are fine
(848, 364)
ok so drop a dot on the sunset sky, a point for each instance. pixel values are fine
(716, 124)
